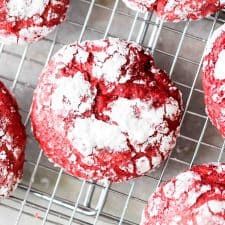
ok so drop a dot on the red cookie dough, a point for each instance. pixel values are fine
(102, 110)
(25, 21)
(176, 10)
(214, 79)
(12, 143)
(195, 197)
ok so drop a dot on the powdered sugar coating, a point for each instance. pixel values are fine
(77, 88)
(216, 34)
(25, 21)
(175, 11)
(25, 8)
(114, 122)
(214, 79)
(141, 5)
(219, 73)
(194, 197)
(12, 143)
(90, 134)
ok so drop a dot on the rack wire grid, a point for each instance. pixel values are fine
(46, 194)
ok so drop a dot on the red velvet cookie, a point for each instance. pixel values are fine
(175, 11)
(23, 21)
(12, 143)
(195, 197)
(214, 79)
(102, 110)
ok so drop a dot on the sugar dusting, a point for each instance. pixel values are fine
(10, 150)
(26, 8)
(142, 165)
(176, 11)
(220, 66)
(213, 78)
(140, 119)
(72, 94)
(93, 122)
(10, 179)
(90, 134)
(188, 199)
(216, 34)
(27, 21)
(110, 62)
(140, 5)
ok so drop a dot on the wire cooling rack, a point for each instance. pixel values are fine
(49, 196)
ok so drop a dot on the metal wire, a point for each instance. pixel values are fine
(145, 22)
(40, 154)
(179, 48)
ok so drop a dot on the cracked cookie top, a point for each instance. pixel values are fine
(25, 21)
(102, 110)
(213, 79)
(177, 10)
(194, 197)
(12, 143)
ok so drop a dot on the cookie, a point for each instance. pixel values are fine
(176, 11)
(102, 110)
(194, 197)
(213, 79)
(12, 143)
(27, 21)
